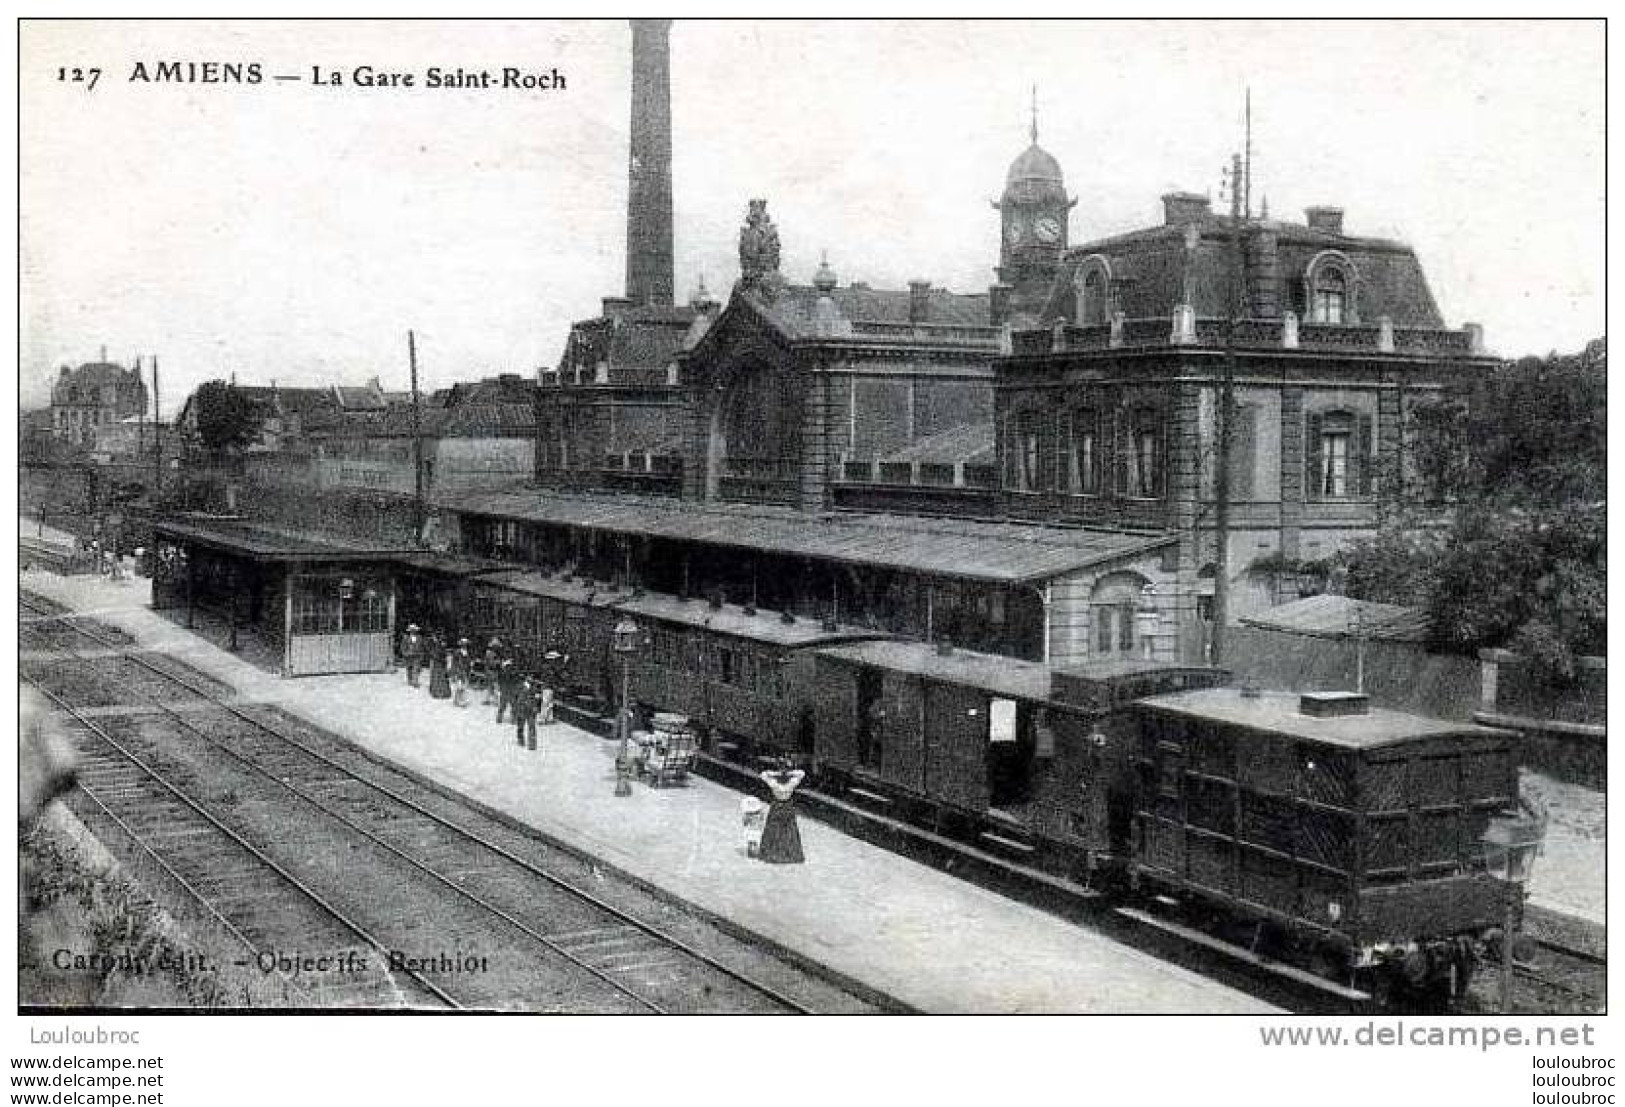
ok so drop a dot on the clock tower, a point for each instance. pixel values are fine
(1033, 215)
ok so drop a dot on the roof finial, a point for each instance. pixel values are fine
(825, 280)
(1034, 130)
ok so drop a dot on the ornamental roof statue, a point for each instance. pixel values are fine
(758, 249)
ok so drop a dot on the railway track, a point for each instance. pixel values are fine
(557, 944)
(1555, 979)
(228, 877)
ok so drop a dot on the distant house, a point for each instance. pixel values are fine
(477, 434)
(285, 413)
(94, 396)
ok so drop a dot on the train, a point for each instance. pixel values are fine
(1329, 834)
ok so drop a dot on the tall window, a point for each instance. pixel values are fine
(1080, 460)
(1339, 455)
(1142, 456)
(1023, 457)
(1334, 464)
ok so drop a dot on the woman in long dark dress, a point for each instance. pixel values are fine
(781, 838)
(439, 681)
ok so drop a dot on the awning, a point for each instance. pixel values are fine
(259, 543)
(965, 549)
(1341, 617)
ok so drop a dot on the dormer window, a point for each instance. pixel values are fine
(1094, 292)
(1331, 296)
(1329, 286)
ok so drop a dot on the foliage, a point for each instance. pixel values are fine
(1522, 456)
(226, 418)
(1398, 565)
(1533, 580)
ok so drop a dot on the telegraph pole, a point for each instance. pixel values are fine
(157, 438)
(417, 441)
(1227, 380)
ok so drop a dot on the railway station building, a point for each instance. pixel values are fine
(1106, 414)
(1029, 471)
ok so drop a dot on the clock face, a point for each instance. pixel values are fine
(1012, 233)
(1048, 229)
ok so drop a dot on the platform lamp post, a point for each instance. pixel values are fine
(625, 640)
(1511, 844)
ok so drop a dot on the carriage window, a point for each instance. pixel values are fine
(725, 661)
(1001, 720)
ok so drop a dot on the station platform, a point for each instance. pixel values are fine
(923, 939)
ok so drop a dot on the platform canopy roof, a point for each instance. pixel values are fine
(257, 542)
(999, 552)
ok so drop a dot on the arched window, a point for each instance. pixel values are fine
(1330, 284)
(1114, 604)
(1094, 292)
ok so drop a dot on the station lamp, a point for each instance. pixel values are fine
(625, 640)
(1511, 844)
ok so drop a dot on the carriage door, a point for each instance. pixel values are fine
(1162, 813)
(1010, 750)
(871, 718)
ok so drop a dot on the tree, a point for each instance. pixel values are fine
(226, 418)
(1523, 562)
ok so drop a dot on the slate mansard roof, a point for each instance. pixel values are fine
(1149, 270)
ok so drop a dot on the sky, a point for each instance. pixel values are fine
(289, 232)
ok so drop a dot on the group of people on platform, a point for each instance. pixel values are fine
(455, 671)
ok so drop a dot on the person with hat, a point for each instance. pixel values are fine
(490, 665)
(524, 714)
(412, 650)
(461, 670)
(507, 678)
(439, 663)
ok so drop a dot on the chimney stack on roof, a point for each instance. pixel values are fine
(1326, 219)
(1180, 208)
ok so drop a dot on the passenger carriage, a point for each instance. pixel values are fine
(740, 674)
(555, 627)
(1029, 761)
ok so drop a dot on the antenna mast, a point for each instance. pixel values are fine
(1247, 168)
(1227, 378)
(417, 441)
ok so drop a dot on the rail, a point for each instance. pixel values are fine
(553, 880)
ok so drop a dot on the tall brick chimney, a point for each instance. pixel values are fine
(649, 277)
